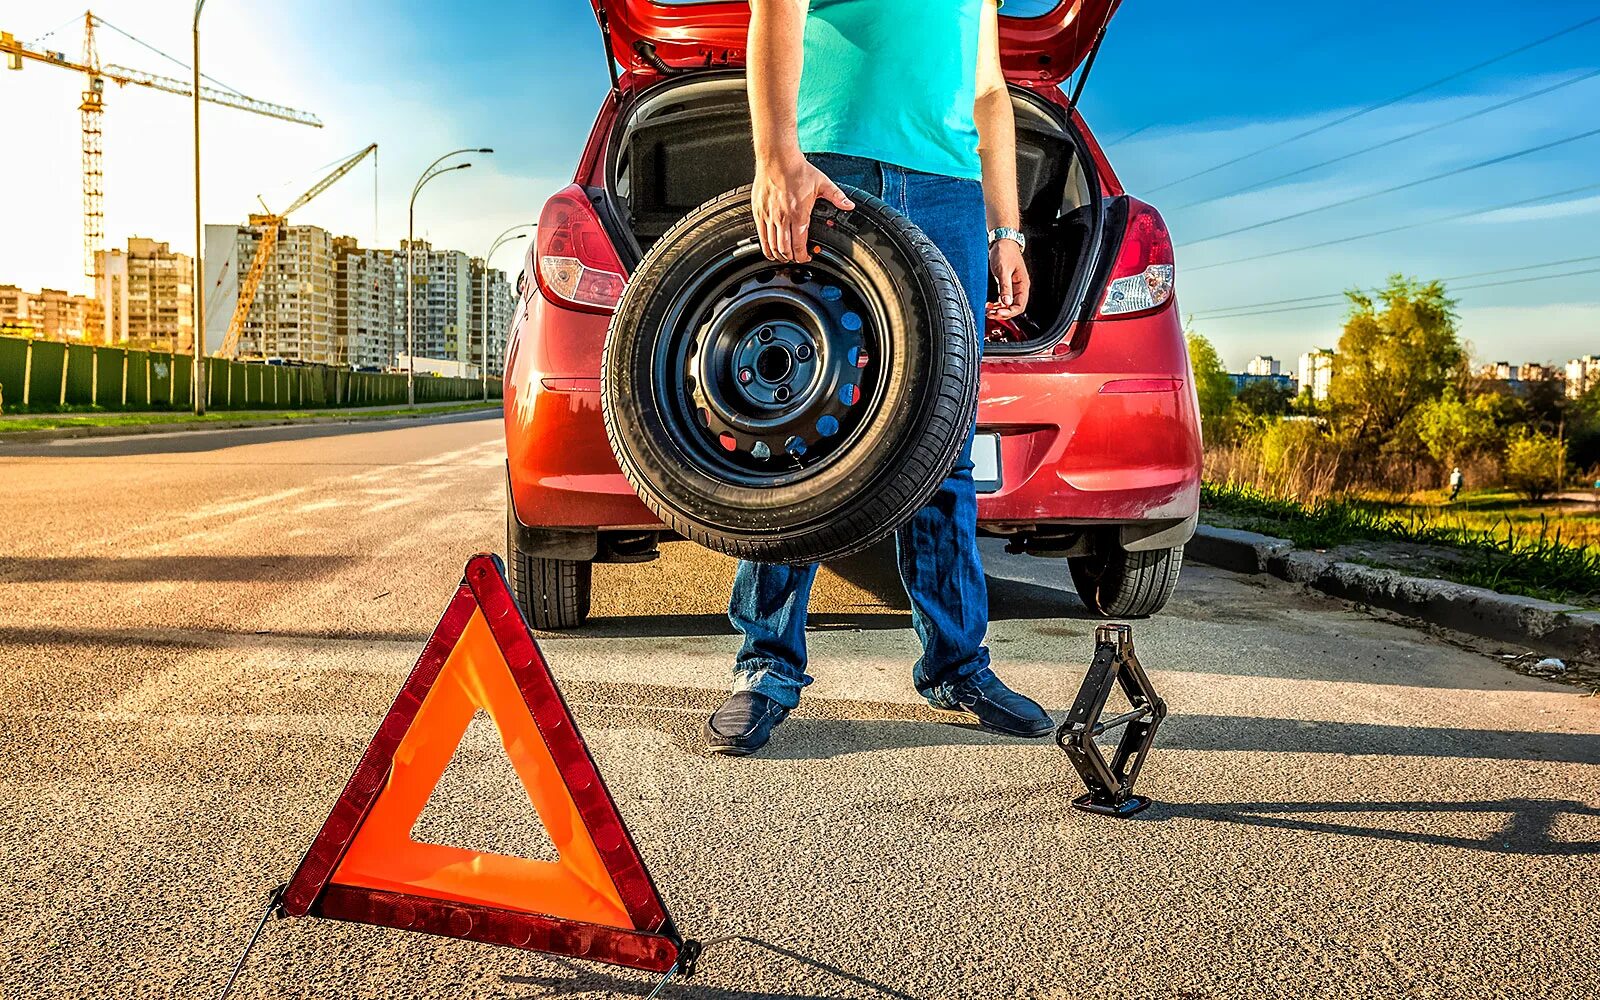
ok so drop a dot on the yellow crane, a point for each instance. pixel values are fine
(270, 224)
(92, 109)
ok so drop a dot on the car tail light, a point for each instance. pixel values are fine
(1142, 278)
(578, 266)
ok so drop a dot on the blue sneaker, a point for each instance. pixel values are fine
(996, 707)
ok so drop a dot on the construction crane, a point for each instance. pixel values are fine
(269, 224)
(92, 110)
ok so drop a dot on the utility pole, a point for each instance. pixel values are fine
(411, 238)
(198, 336)
(503, 238)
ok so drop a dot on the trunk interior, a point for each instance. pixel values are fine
(683, 143)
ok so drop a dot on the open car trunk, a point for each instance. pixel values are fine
(682, 143)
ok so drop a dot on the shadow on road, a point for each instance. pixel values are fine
(203, 439)
(164, 569)
(1529, 828)
(583, 979)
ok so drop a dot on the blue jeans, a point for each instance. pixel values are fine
(937, 550)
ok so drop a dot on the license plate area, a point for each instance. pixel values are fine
(986, 472)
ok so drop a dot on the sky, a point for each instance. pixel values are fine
(1179, 88)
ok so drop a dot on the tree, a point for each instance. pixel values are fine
(1266, 398)
(1214, 388)
(1536, 464)
(1452, 430)
(1398, 350)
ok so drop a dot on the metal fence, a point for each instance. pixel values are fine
(43, 375)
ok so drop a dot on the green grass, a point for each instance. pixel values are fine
(1519, 556)
(59, 420)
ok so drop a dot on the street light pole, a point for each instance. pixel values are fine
(411, 238)
(500, 240)
(197, 338)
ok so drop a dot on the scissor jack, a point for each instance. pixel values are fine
(1111, 786)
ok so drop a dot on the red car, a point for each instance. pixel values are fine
(1088, 442)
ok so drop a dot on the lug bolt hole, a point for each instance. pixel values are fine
(765, 335)
(782, 394)
(803, 352)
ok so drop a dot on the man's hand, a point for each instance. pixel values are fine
(1011, 274)
(783, 196)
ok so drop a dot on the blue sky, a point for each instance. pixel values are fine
(1205, 82)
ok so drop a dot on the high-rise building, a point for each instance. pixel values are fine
(147, 296)
(442, 298)
(1528, 371)
(501, 304)
(369, 310)
(1582, 375)
(1316, 373)
(49, 313)
(292, 316)
(1264, 365)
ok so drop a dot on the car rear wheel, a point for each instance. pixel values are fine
(790, 413)
(553, 593)
(1122, 584)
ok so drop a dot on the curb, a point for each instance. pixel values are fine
(1561, 629)
(124, 430)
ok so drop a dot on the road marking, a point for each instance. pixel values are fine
(221, 510)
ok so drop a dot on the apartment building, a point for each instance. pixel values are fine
(50, 313)
(146, 294)
(1316, 373)
(369, 304)
(1583, 374)
(502, 302)
(1264, 365)
(293, 315)
(442, 299)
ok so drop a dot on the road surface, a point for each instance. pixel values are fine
(199, 633)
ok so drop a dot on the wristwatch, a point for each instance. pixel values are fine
(1007, 233)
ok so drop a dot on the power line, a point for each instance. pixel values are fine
(1463, 288)
(1352, 116)
(1392, 142)
(174, 59)
(1211, 313)
(1395, 229)
(1129, 135)
(1492, 161)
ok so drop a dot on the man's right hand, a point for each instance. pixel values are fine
(784, 194)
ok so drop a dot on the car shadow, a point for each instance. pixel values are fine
(199, 439)
(577, 979)
(872, 571)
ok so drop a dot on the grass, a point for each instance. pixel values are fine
(55, 421)
(1534, 556)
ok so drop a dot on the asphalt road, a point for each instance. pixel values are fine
(199, 633)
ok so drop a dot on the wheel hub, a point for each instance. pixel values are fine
(780, 369)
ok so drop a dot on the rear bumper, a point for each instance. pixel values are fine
(1074, 449)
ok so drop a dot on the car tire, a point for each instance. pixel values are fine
(1122, 584)
(553, 593)
(869, 398)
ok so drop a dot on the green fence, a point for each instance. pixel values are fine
(44, 375)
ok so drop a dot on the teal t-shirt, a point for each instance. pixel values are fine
(893, 80)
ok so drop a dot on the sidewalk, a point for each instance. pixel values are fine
(37, 426)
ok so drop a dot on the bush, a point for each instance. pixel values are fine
(1536, 464)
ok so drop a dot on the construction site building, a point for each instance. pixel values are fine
(502, 305)
(292, 317)
(49, 314)
(147, 296)
(369, 307)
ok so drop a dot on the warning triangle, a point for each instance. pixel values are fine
(596, 901)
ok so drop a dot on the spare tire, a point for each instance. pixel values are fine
(783, 412)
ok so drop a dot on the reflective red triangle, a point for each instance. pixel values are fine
(596, 902)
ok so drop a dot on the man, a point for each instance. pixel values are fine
(1455, 483)
(905, 99)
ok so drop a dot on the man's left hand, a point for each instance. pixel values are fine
(1011, 274)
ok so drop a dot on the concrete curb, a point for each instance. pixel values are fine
(93, 431)
(1560, 629)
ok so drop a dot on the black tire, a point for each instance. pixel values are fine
(778, 463)
(553, 593)
(1121, 584)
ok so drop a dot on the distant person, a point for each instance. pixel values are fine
(1455, 483)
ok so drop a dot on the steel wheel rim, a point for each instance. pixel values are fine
(766, 373)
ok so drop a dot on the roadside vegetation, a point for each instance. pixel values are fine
(1372, 461)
